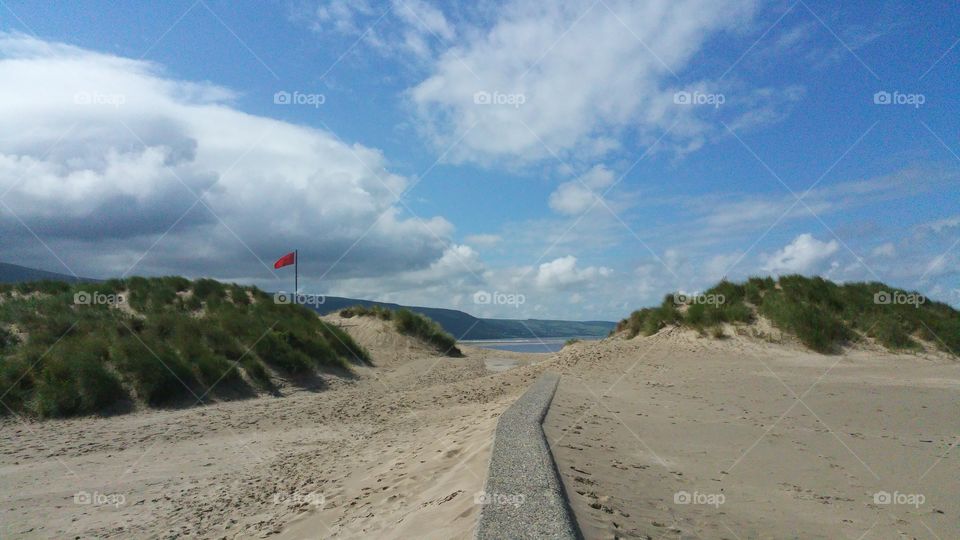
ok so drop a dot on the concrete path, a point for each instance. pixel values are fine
(524, 497)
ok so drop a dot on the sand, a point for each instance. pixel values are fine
(676, 436)
(670, 436)
(400, 450)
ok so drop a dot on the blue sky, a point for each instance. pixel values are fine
(587, 157)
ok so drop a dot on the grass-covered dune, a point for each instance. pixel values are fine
(409, 323)
(823, 315)
(80, 348)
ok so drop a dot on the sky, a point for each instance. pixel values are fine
(566, 159)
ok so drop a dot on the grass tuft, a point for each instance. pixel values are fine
(85, 357)
(422, 327)
(367, 311)
(409, 323)
(821, 314)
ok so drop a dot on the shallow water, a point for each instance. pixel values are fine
(545, 345)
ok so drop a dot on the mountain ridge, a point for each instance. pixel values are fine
(465, 326)
(14, 273)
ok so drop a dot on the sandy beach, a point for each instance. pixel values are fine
(669, 436)
(398, 451)
(677, 436)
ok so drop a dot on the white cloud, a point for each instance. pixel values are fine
(885, 250)
(420, 14)
(483, 240)
(943, 224)
(572, 198)
(97, 148)
(720, 218)
(584, 73)
(579, 195)
(720, 266)
(344, 16)
(598, 177)
(804, 255)
(563, 272)
(411, 26)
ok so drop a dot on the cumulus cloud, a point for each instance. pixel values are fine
(804, 255)
(579, 195)
(105, 157)
(563, 272)
(572, 198)
(457, 271)
(571, 77)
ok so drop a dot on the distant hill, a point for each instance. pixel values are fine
(13, 273)
(465, 326)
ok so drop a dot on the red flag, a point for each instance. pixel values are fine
(286, 260)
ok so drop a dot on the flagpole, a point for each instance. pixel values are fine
(296, 273)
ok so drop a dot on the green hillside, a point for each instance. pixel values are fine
(821, 314)
(14, 273)
(465, 326)
(68, 349)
